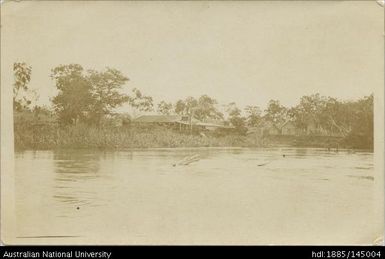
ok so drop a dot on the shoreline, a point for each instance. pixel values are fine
(197, 148)
(129, 138)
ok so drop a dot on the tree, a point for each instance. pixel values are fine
(325, 113)
(105, 92)
(275, 112)
(253, 115)
(180, 107)
(22, 95)
(164, 108)
(235, 118)
(141, 102)
(206, 109)
(232, 110)
(362, 123)
(74, 100)
(186, 107)
(334, 115)
(86, 96)
(190, 103)
(202, 109)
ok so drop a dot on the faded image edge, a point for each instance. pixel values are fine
(214, 123)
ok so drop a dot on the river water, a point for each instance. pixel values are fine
(228, 196)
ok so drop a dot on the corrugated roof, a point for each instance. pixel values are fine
(187, 122)
(175, 118)
(214, 125)
(158, 118)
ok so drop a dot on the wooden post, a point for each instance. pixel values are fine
(191, 116)
(191, 123)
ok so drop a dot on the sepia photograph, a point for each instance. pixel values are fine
(192, 122)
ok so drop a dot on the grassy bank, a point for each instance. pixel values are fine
(305, 141)
(81, 136)
(327, 142)
(50, 136)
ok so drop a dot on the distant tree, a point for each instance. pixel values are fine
(185, 107)
(74, 100)
(275, 112)
(253, 115)
(334, 115)
(86, 96)
(22, 95)
(164, 108)
(105, 92)
(202, 109)
(308, 111)
(325, 113)
(141, 102)
(236, 119)
(362, 123)
(206, 109)
(233, 110)
(180, 107)
(190, 104)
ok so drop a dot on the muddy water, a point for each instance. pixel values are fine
(228, 196)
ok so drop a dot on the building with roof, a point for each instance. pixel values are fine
(180, 122)
(158, 119)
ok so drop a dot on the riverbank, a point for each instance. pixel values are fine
(50, 136)
(47, 136)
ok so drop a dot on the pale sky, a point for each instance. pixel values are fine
(247, 52)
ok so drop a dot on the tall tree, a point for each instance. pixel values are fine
(186, 107)
(74, 100)
(334, 116)
(202, 109)
(253, 115)
(325, 113)
(141, 102)
(362, 122)
(180, 107)
(206, 109)
(165, 108)
(87, 96)
(235, 118)
(22, 95)
(105, 92)
(275, 112)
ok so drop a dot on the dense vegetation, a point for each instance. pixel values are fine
(81, 115)
(46, 136)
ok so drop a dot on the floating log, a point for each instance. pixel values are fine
(265, 163)
(188, 160)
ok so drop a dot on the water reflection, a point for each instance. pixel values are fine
(124, 196)
(75, 170)
(300, 152)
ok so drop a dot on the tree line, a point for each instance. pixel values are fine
(88, 96)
